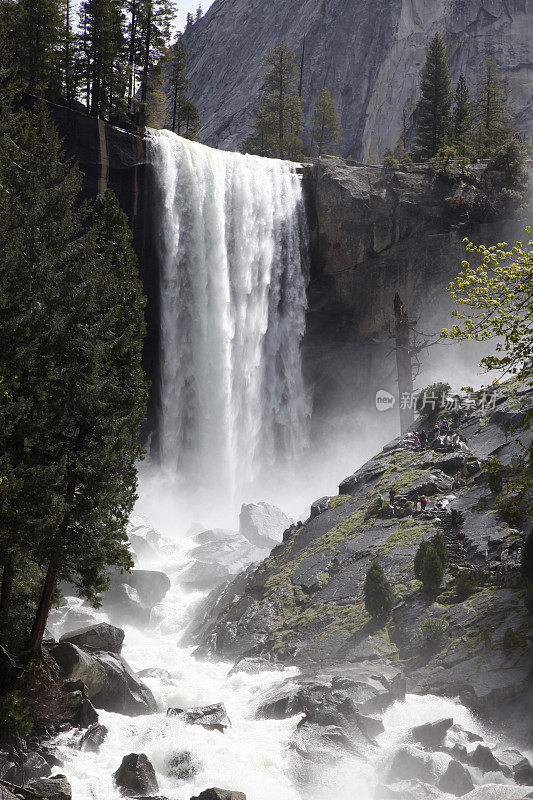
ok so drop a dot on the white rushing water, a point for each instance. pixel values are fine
(253, 755)
(232, 251)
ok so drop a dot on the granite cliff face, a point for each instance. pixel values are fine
(369, 54)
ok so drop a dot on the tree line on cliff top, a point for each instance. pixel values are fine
(110, 56)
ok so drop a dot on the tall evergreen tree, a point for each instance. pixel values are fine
(37, 36)
(433, 120)
(103, 40)
(462, 118)
(279, 123)
(379, 597)
(492, 116)
(199, 14)
(183, 114)
(327, 129)
(154, 30)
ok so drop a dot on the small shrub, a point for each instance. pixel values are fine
(512, 639)
(510, 158)
(432, 571)
(15, 716)
(433, 402)
(379, 597)
(464, 585)
(494, 476)
(419, 558)
(430, 633)
(440, 546)
(390, 162)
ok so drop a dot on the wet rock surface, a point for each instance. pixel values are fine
(136, 776)
(110, 682)
(97, 637)
(213, 717)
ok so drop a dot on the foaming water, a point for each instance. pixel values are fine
(233, 262)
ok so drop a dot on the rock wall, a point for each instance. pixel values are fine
(375, 233)
(369, 54)
(110, 157)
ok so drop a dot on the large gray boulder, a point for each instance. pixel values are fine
(263, 524)
(97, 637)
(213, 717)
(408, 763)
(55, 788)
(456, 780)
(434, 482)
(136, 776)
(432, 733)
(219, 794)
(110, 682)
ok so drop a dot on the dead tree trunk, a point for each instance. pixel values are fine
(403, 364)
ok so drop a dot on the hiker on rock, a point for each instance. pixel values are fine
(416, 440)
(416, 501)
(392, 496)
(423, 503)
(423, 439)
(381, 500)
(457, 480)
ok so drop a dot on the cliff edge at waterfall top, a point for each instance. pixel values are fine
(266, 384)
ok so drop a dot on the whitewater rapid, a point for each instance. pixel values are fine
(253, 755)
(232, 248)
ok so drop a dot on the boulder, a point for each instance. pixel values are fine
(162, 675)
(456, 780)
(435, 482)
(97, 637)
(483, 758)
(252, 666)
(123, 604)
(406, 790)
(213, 717)
(523, 772)
(35, 766)
(319, 506)
(408, 763)
(77, 698)
(349, 485)
(432, 733)
(110, 682)
(151, 585)
(219, 794)
(136, 776)
(263, 524)
(371, 726)
(93, 738)
(55, 788)
(181, 766)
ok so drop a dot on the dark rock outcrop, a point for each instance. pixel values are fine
(432, 733)
(93, 738)
(136, 776)
(181, 766)
(219, 794)
(456, 780)
(110, 682)
(55, 788)
(97, 637)
(213, 718)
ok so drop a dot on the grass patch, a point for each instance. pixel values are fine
(408, 532)
(338, 500)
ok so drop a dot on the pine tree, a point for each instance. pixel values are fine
(199, 14)
(183, 114)
(279, 123)
(190, 21)
(433, 120)
(462, 118)
(492, 117)
(431, 571)
(37, 36)
(154, 30)
(104, 42)
(379, 598)
(327, 129)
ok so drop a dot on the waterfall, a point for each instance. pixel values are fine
(233, 273)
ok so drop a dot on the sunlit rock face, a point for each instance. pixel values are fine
(368, 53)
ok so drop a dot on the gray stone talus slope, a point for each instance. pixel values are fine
(368, 53)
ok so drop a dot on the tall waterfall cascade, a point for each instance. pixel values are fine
(233, 273)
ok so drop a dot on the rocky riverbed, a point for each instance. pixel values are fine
(281, 685)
